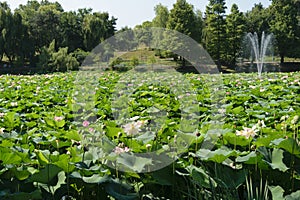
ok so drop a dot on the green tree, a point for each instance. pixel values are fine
(284, 25)
(235, 30)
(42, 20)
(96, 28)
(3, 10)
(142, 33)
(126, 39)
(23, 48)
(215, 30)
(71, 31)
(45, 25)
(15, 38)
(161, 16)
(183, 19)
(62, 61)
(258, 19)
(199, 26)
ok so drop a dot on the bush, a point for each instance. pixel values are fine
(59, 61)
(80, 55)
(115, 62)
(134, 61)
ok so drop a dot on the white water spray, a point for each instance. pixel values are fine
(259, 49)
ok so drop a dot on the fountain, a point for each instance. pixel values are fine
(259, 50)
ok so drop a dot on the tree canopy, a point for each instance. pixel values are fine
(28, 31)
(31, 28)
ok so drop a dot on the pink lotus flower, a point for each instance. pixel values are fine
(120, 149)
(58, 119)
(91, 129)
(85, 123)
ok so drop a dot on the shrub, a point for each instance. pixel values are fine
(134, 61)
(80, 55)
(51, 60)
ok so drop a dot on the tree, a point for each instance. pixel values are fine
(10, 35)
(183, 19)
(235, 30)
(42, 20)
(215, 37)
(96, 28)
(22, 46)
(45, 25)
(3, 10)
(199, 26)
(126, 40)
(257, 19)
(161, 16)
(71, 31)
(284, 25)
(142, 33)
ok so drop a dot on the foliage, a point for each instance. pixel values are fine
(14, 39)
(71, 31)
(80, 55)
(258, 19)
(134, 61)
(215, 30)
(235, 31)
(126, 39)
(43, 155)
(51, 60)
(183, 19)
(33, 26)
(284, 25)
(161, 16)
(96, 28)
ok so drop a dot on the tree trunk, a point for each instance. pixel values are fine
(183, 62)
(282, 58)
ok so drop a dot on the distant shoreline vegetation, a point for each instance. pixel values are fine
(42, 35)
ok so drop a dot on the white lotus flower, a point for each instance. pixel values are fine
(133, 128)
(247, 132)
(135, 118)
(14, 104)
(261, 124)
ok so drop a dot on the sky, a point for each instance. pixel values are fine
(134, 12)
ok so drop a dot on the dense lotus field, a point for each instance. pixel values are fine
(54, 147)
